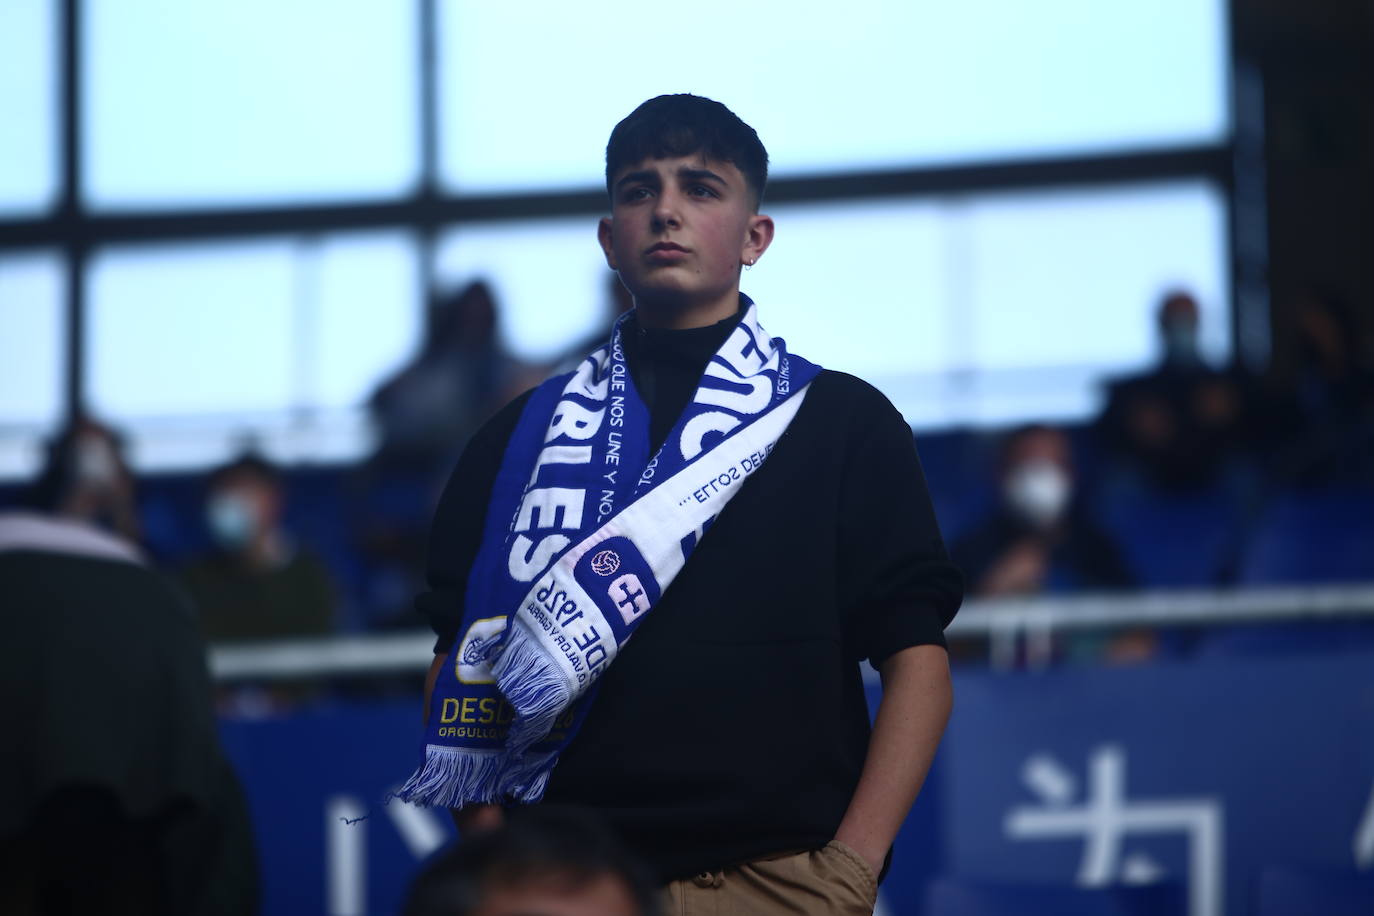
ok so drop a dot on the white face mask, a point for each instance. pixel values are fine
(232, 520)
(1039, 491)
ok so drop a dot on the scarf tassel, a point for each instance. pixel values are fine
(452, 777)
(534, 686)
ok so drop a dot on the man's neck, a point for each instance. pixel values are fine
(677, 316)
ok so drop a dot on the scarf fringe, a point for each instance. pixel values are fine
(526, 778)
(534, 685)
(452, 777)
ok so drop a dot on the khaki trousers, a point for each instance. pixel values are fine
(827, 881)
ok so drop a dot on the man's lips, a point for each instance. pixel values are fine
(666, 248)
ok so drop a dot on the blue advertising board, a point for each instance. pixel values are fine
(1197, 775)
(1203, 774)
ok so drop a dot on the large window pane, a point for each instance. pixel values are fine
(983, 309)
(201, 349)
(33, 339)
(239, 101)
(1060, 278)
(859, 287)
(194, 330)
(28, 105)
(548, 277)
(876, 83)
(366, 316)
(997, 308)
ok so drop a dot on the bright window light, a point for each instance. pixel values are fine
(978, 309)
(280, 341)
(28, 106)
(548, 278)
(880, 83)
(191, 330)
(32, 340)
(242, 101)
(367, 317)
(1063, 278)
(860, 287)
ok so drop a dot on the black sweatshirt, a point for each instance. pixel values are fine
(734, 724)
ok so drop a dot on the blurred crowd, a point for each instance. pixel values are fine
(1192, 474)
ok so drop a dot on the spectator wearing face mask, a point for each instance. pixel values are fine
(1179, 424)
(1038, 539)
(86, 480)
(257, 583)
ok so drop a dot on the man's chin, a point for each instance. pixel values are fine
(667, 298)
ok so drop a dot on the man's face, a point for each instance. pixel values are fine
(680, 229)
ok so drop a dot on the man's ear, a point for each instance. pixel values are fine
(603, 235)
(758, 236)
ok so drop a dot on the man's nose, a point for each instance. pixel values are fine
(667, 213)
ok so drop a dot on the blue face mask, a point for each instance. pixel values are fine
(1180, 341)
(232, 521)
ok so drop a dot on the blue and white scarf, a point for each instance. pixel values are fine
(584, 531)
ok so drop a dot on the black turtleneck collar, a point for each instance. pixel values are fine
(667, 364)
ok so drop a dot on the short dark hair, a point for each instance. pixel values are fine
(539, 844)
(247, 465)
(59, 475)
(683, 125)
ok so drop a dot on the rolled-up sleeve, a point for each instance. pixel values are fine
(901, 587)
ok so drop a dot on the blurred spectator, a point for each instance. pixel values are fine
(544, 861)
(85, 478)
(257, 583)
(1039, 538)
(428, 409)
(116, 796)
(425, 414)
(1178, 424)
(1325, 432)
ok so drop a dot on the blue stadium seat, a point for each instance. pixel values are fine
(961, 897)
(1283, 891)
(1310, 537)
(1170, 540)
(961, 472)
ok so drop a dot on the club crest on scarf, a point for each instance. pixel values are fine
(584, 532)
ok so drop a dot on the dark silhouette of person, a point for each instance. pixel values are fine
(1321, 421)
(1179, 423)
(427, 411)
(115, 796)
(545, 860)
(425, 414)
(86, 478)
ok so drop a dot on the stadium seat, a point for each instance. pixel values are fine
(960, 469)
(1170, 540)
(1313, 537)
(962, 897)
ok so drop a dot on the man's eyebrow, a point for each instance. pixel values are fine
(692, 174)
(641, 175)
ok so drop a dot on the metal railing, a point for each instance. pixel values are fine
(1005, 622)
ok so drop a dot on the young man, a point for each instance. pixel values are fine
(729, 741)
